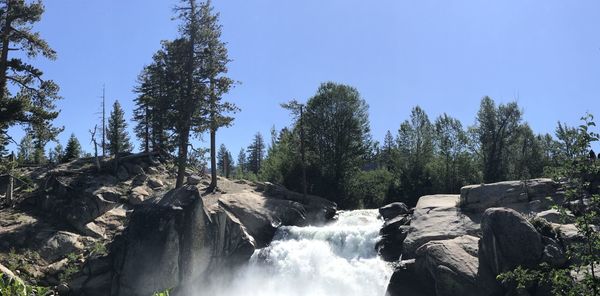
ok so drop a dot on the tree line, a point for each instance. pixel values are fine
(422, 156)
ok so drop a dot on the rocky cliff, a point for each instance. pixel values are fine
(125, 231)
(458, 244)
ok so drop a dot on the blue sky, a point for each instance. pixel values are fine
(441, 55)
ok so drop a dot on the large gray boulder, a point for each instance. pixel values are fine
(437, 217)
(524, 196)
(393, 233)
(177, 240)
(262, 216)
(60, 244)
(453, 266)
(393, 210)
(405, 282)
(508, 241)
(317, 209)
(444, 267)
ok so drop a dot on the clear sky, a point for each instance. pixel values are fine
(441, 55)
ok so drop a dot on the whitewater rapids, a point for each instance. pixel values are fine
(332, 260)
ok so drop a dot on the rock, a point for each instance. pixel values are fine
(92, 229)
(155, 183)
(437, 217)
(177, 235)
(392, 210)
(404, 281)
(553, 253)
(509, 240)
(193, 180)
(393, 233)
(57, 267)
(152, 170)
(512, 194)
(139, 180)
(122, 173)
(60, 244)
(138, 195)
(318, 209)
(262, 216)
(554, 216)
(108, 193)
(453, 266)
(63, 289)
(136, 169)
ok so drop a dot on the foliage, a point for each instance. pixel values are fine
(337, 139)
(163, 293)
(225, 161)
(98, 249)
(579, 175)
(117, 136)
(256, 154)
(181, 91)
(10, 287)
(369, 189)
(73, 149)
(25, 96)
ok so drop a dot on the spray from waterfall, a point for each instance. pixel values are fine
(332, 260)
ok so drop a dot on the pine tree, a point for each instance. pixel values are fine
(25, 154)
(73, 149)
(222, 160)
(118, 138)
(215, 67)
(256, 154)
(152, 105)
(32, 102)
(388, 151)
(241, 163)
(58, 153)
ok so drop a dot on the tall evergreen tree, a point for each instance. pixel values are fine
(388, 151)
(56, 154)
(203, 83)
(215, 59)
(73, 149)
(224, 161)
(256, 154)
(117, 135)
(32, 102)
(152, 104)
(241, 163)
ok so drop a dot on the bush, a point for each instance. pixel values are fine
(11, 287)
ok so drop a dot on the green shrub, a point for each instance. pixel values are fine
(10, 287)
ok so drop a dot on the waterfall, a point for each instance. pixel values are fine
(336, 259)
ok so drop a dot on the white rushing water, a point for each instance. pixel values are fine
(332, 260)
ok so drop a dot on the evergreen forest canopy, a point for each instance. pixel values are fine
(327, 151)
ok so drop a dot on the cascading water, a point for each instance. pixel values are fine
(331, 260)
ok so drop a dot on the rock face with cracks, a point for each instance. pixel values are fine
(457, 245)
(184, 238)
